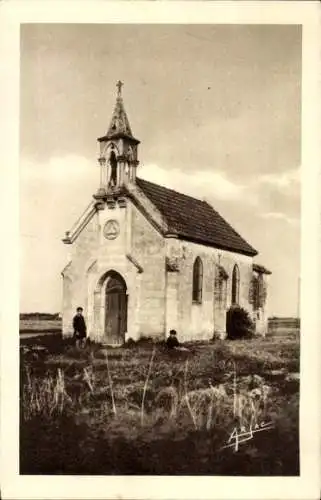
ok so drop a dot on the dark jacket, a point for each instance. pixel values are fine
(79, 326)
(172, 342)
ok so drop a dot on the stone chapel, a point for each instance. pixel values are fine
(145, 259)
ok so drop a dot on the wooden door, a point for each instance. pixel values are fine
(115, 311)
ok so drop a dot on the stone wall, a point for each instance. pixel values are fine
(201, 320)
(148, 246)
(260, 313)
(74, 275)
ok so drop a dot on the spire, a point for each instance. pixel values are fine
(119, 124)
(118, 150)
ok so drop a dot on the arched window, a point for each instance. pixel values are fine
(197, 280)
(235, 285)
(113, 164)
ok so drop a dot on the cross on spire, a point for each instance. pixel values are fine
(119, 124)
(119, 85)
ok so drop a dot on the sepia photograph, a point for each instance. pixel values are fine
(160, 267)
(160, 174)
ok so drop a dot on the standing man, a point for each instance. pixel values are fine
(80, 330)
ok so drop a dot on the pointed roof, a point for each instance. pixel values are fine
(194, 220)
(119, 125)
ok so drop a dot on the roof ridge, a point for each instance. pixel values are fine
(172, 190)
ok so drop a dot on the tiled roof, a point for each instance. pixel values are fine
(194, 220)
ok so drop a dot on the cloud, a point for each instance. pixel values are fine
(263, 191)
(282, 180)
(277, 195)
(65, 169)
(202, 183)
(281, 217)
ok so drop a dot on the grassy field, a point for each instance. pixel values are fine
(284, 326)
(27, 325)
(141, 409)
(277, 326)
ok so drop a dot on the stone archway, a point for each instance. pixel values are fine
(111, 300)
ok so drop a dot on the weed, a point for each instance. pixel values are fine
(145, 411)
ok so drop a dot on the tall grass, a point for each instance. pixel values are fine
(45, 397)
(206, 407)
(146, 383)
(110, 385)
(94, 412)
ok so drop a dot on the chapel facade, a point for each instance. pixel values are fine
(145, 259)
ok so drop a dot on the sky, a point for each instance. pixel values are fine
(217, 109)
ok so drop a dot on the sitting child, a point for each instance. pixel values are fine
(172, 342)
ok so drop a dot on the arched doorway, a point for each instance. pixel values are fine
(115, 309)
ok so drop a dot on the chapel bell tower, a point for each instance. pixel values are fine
(118, 151)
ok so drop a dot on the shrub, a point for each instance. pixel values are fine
(239, 323)
(129, 343)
